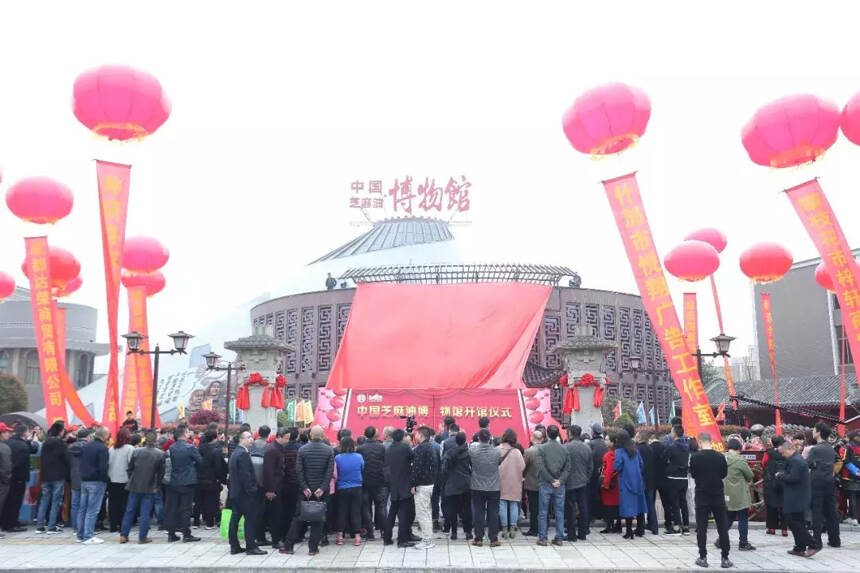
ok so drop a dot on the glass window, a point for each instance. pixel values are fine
(4, 361)
(32, 374)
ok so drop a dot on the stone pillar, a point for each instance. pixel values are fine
(583, 354)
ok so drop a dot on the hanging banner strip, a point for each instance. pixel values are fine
(691, 321)
(629, 213)
(727, 368)
(69, 391)
(767, 318)
(113, 180)
(815, 212)
(137, 323)
(39, 269)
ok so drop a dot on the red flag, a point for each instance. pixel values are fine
(815, 212)
(721, 412)
(39, 268)
(767, 318)
(629, 212)
(113, 180)
(616, 411)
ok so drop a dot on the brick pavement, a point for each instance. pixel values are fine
(36, 553)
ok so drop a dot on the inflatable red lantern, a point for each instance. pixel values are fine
(607, 119)
(39, 200)
(713, 237)
(119, 102)
(850, 120)
(143, 255)
(154, 282)
(71, 287)
(7, 285)
(822, 277)
(692, 261)
(64, 268)
(766, 262)
(791, 131)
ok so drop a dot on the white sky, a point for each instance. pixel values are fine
(278, 106)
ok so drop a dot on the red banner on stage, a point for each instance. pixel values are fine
(472, 335)
(691, 321)
(39, 269)
(814, 210)
(113, 179)
(767, 317)
(629, 212)
(69, 391)
(357, 409)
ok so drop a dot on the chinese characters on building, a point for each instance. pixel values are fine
(412, 196)
(383, 411)
(629, 212)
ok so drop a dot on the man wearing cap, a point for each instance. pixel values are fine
(21, 448)
(5, 466)
(598, 448)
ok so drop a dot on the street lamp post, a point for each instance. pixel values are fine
(636, 367)
(723, 342)
(212, 364)
(180, 344)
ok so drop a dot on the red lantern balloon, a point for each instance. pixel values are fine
(154, 282)
(7, 285)
(692, 261)
(64, 267)
(39, 200)
(790, 131)
(71, 287)
(766, 262)
(713, 237)
(850, 120)
(607, 119)
(822, 277)
(144, 255)
(119, 102)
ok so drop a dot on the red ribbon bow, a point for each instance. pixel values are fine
(571, 399)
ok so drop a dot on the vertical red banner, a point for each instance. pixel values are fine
(113, 180)
(727, 368)
(691, 321)
(814, 210)
(137, 386)
(69, 391)
(39, 269)
(629, 213)
(767, 318)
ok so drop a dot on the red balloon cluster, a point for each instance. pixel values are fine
(607, 119)
(766, 262)
(154, 282)
(692, 261)
(64, 268)
(39, 200)
(7, 286)
(791, 131)
(119, 102)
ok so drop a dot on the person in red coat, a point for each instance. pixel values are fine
(609, 488)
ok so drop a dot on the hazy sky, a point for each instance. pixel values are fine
(278, 106)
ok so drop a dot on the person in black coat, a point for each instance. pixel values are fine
(398, 461)
(773, 463)
(211, 474)
(243, 497)
(21, 448)
(291, 480)
(273, 483)
(649, 476)
(55, 472)
(457, 469)
(795, 499)
(374, 489)
(314, 468)
(598, 450)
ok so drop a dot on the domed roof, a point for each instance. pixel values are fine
(393, 233)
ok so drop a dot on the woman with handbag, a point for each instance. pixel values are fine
(350, 467)
(609, 497)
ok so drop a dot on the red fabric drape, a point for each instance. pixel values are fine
(571, 398)
(243, 401)
(475, 335)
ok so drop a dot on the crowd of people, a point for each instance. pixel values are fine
(289, 485)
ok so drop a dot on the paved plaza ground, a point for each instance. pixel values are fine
(31, 552)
